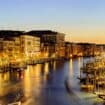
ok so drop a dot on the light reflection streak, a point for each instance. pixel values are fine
(71, 68)
(80, 60)
(27, 82)
(32, 80)
(46, 69)
(54, 65)
(4, 81)
(79, 64)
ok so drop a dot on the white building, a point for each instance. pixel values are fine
(30, 45)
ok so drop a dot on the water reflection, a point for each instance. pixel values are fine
(41, 84)
(71, 68)
(4, 82)
(27, 81)
(54, 65)
(80, 64)
(46, 69)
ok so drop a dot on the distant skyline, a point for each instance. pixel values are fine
(80, 20)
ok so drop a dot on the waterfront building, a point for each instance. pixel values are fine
(103, 47)
(88, 49)
(30, 46)
(8, 47)
(52, 43)
(17, 45)
(68, 50)
(47, 39)
(1, 46)
(4, 59)
(60, 45)
(99, 49)
(73, 50)
(17, 48)
(79, 50)
(82, 49)
(76, 50)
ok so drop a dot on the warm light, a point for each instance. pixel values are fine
(80, 54)
(54, 65)
(46, 68)
(71, 55)
(27, 82)
(79, 64)
(71, 68)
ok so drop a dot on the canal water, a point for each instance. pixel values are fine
(44, 84)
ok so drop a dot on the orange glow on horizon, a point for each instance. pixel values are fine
(83, 34)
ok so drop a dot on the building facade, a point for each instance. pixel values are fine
(52, 43)
(60, 45)
(30, 46)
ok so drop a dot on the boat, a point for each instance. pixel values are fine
(87, 87)
(102, 96)
(82, 80)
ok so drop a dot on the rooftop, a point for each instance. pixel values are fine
(41, 32)
(10, 33)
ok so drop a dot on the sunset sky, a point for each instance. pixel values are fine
(80, 20)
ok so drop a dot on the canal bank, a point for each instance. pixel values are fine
(43, 84)
(16, 65)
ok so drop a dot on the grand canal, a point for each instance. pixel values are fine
(44, 84)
